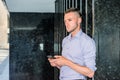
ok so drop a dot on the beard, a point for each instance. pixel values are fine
(72, 30)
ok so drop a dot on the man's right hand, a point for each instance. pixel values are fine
(52, 62)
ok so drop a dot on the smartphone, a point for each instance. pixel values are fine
(51, 57)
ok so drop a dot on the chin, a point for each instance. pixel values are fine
(68, 31)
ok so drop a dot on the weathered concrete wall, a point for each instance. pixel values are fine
(4, 23)
(107, 36)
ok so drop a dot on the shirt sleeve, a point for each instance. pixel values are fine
(90, 54)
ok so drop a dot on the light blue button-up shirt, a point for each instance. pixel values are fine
(81, 50)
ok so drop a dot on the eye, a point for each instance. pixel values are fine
(69, 19)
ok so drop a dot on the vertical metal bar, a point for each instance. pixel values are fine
(66, 4)
(73, 3)
(86, 22)
(76, 3)
(93, 18)
(81, 6)
(69, 4)
(119, 46)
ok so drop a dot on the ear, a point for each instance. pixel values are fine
(79, 20)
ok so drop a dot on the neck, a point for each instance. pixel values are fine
(75, 32)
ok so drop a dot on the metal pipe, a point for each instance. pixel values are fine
(81, 6)
(76, 3)
(86, 22)
(93, 18)
(73, 3)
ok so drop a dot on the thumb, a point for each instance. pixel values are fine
(57, 56)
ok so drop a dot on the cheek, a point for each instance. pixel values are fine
(66, 23)
(73, 24)
(70, 24)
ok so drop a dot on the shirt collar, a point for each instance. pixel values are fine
(76, 36)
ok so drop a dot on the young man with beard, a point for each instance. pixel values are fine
(78, 50)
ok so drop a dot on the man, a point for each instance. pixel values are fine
(78, 50)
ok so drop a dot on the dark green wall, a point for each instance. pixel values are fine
(107, 37)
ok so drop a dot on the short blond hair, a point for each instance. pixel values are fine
(73, 10)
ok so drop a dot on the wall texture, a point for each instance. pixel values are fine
(107, 36)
